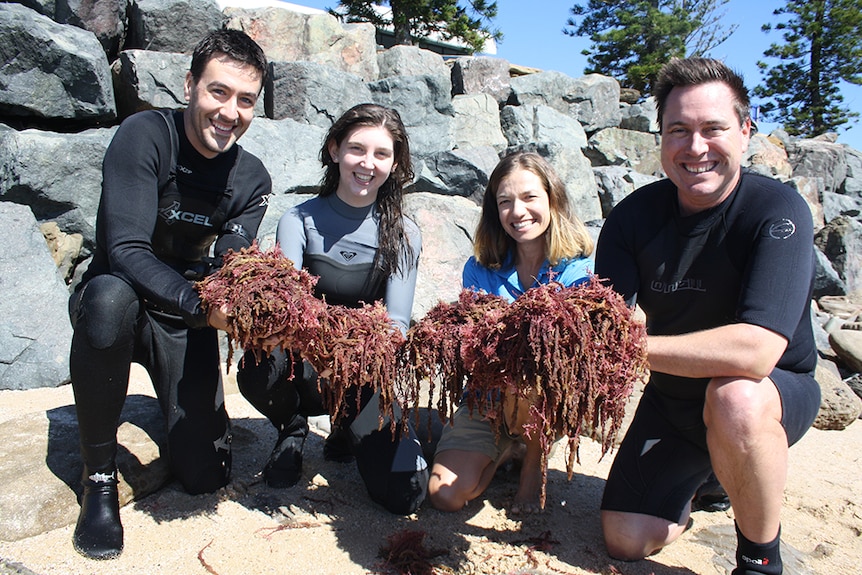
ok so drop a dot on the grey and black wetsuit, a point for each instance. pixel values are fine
(338, 243)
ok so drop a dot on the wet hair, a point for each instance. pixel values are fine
(235, 44)
(697, 71)
(566, 236)
(394, 253)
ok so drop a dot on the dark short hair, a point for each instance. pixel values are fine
(697, 71)
(235, 44)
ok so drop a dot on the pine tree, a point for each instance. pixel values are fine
(413, 20)
(632, 40)
(822, 46)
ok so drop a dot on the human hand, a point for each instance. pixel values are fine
(219, 318)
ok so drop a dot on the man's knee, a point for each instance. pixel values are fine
(737, 404)
(106, 310)
(633, 536)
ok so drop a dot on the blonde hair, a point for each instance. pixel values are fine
(566, 236)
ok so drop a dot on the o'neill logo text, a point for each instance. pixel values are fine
(681, 285)
(172, 214)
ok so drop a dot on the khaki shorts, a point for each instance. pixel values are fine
(474, 433)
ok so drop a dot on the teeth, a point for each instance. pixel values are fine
(222, 127)
(700, 169)
(363, 178)
(521, 225)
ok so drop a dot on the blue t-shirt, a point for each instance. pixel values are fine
(504, 282)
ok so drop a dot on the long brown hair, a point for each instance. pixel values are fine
(394, 252)
(566, 236)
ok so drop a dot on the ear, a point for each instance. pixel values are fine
(333, 151)
(188, 85)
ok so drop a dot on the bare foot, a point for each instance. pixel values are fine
(528, 499)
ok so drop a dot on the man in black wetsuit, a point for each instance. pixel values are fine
(174, 183)
(721, 260)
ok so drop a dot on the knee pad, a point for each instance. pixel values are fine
(106, 310)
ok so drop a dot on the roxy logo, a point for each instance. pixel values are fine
(172, 214)
(347, 255)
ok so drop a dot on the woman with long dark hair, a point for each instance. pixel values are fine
(355, 238)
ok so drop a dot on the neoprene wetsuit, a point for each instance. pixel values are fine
(338, 242)
(163, 205)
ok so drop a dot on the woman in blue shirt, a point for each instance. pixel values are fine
(527, 235)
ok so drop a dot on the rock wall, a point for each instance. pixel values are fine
(76, 69)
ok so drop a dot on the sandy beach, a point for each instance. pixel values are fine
(328, 525)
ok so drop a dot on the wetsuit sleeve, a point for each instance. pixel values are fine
(776, 284)
(253, 183)
(401, 287)
(137, 159)
(291, 237)
(616, 262)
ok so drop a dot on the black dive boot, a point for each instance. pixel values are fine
(284, 468)
(99, 533)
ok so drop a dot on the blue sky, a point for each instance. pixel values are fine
(533, 37)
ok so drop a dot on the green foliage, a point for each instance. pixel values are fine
(416, 19)
(633, 39)
(822, 46)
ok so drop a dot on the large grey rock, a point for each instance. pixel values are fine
(34, 325)
(839, 405)
(42, 466)
(289, 150)
(847, 344)
(827, 282)
(481, 75)
(171, 25)
(144, 79)
(841, 241)
(819, 159)
(477, 122)
(629, 148)
(51, 70)
(312, 93)
(539, 123)
(447, 225)
(836, 205)
(615, 183)
(412, 61)
(640, 117)
(809, 189)
(425, 106)
(593, 99)
(288, 36)
(768, 156)
(106, 19)
(58, 175)
(853, 181)
(458, 173)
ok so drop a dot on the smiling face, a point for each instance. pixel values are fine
(702, 144)
(221, 104)
(524, 207)
(365, 158)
